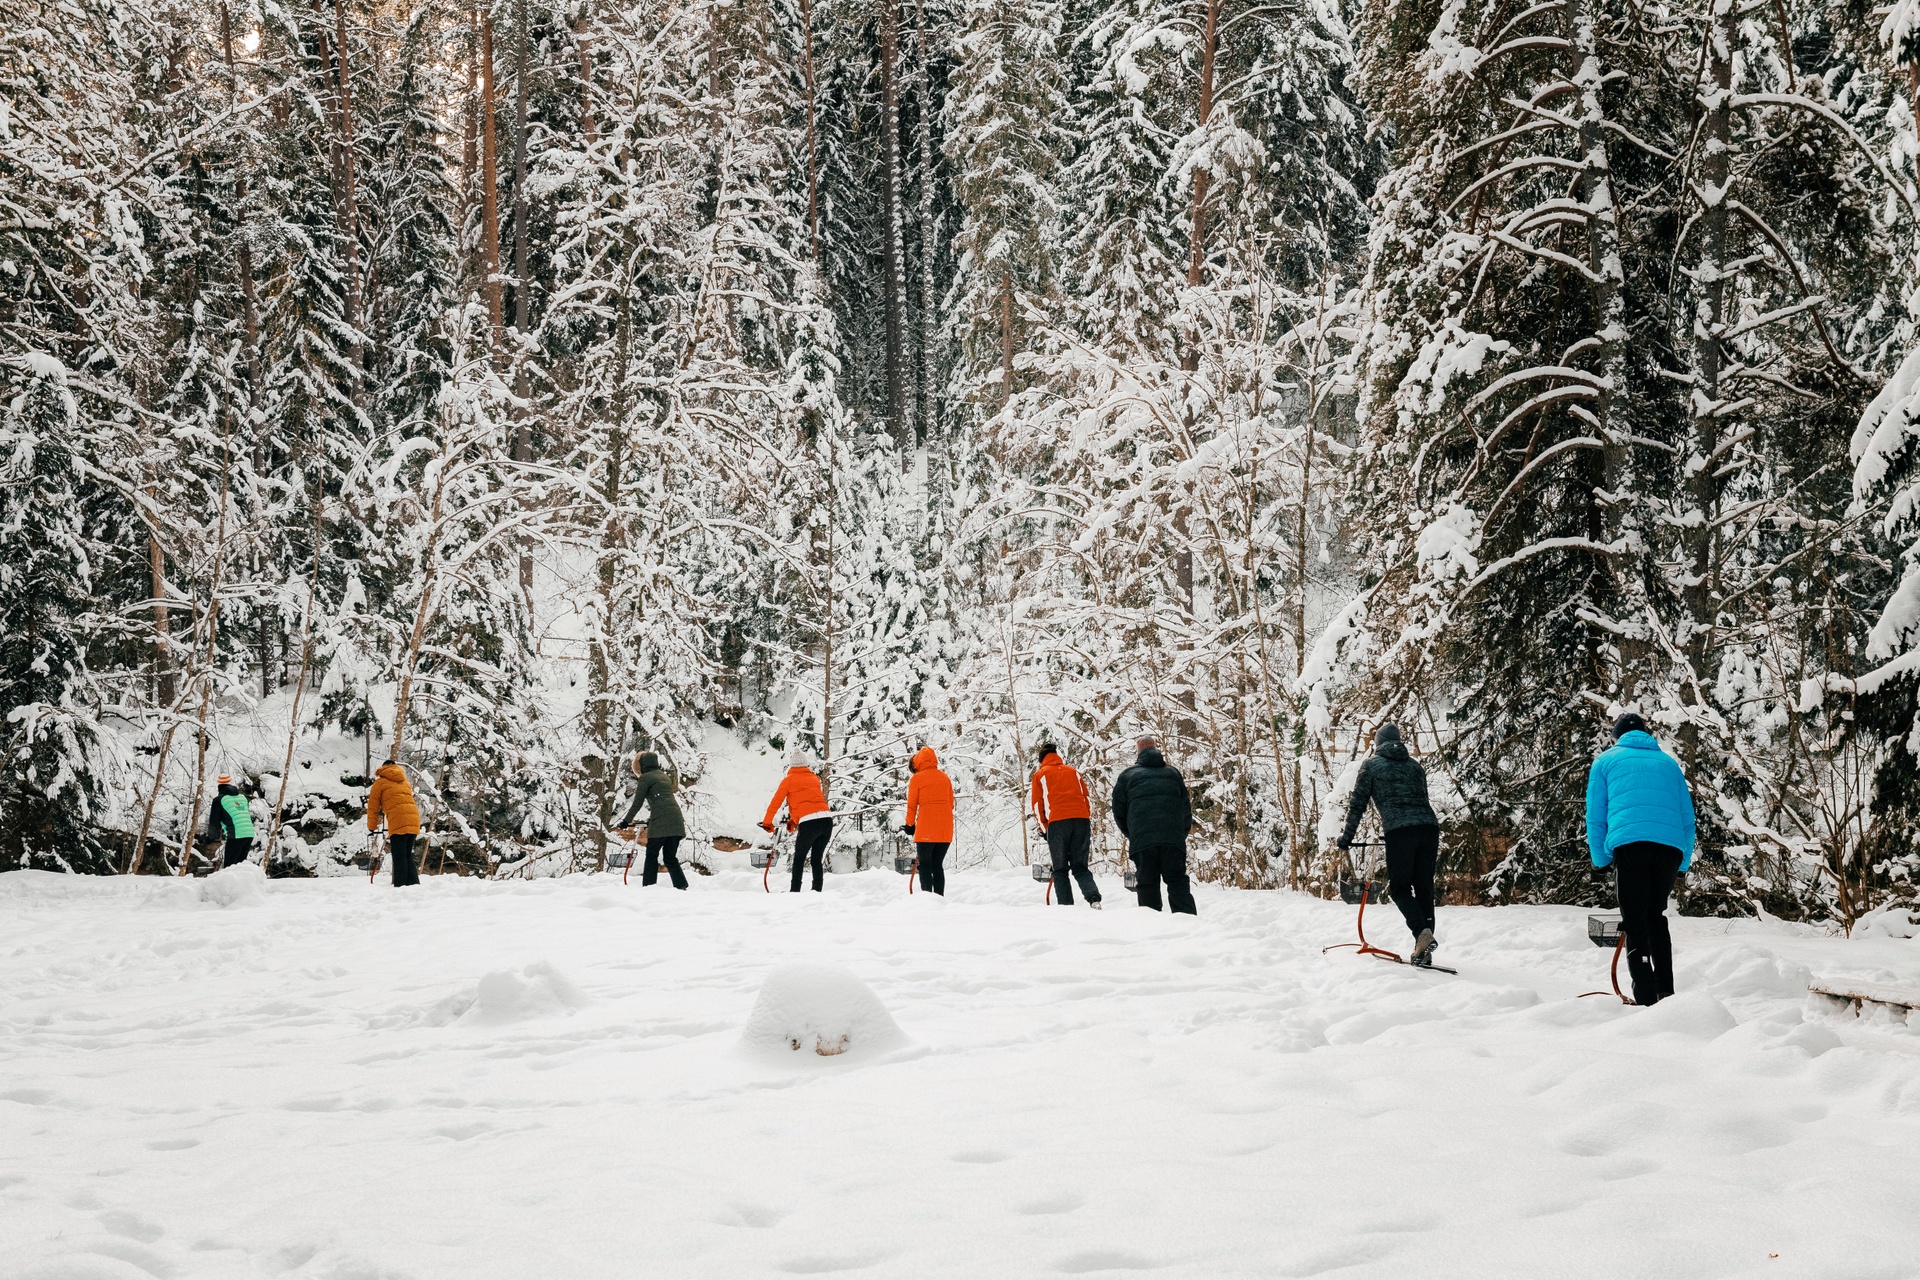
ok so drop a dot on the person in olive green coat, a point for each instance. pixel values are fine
(665, 825)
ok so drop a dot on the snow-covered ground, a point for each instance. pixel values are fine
(330, 1079)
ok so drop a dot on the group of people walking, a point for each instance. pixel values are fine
(1150, 806)
(1640, 823)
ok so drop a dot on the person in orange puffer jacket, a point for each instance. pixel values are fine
(806, 802)
(930, 819)
(392, 798)
(1060, 802)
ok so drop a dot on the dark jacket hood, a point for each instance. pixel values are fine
(648, 762)
(228, 789)
(1393, 749)
(1151, 759)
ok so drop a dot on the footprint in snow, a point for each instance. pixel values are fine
(173, 1144)
(981, 1157)
(1065, 1202)
(1105, 1260)
(132, 1226)
(823, 1264)
(752, 1215)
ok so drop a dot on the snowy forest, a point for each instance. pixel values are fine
(503, 387)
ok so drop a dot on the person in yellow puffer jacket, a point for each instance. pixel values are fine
(392, 797)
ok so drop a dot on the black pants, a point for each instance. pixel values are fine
(667, 847)
(931, 859)
(401, 850)
(812, 842)
(1643, 874)
(1411, 855)
(1067, 843)
(237, 850)
(1157, 862)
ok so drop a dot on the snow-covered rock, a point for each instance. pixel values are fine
(819, 1008)
(537, 991)
(244, 885)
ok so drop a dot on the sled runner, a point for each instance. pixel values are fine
(1360, 892)
(1605, 931)
(1366, 884)
(765, 859)
(906, 860)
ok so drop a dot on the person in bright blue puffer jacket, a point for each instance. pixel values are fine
(1640, 822)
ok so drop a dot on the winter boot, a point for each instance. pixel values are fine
(1423, 949)
(1094, 905)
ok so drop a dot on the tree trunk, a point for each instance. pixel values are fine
(896, 285)
(522, 282)
(584, 44)
(211, 658)
(350, 231)
(1709, 323)
(603, 772)
(469, 135)
(1196, 266)
(490, 188)
(162, 619)
(826, 697)
(813, 153)
(929, 304)
(1197, 218)
(1006, 336)
(299, 692)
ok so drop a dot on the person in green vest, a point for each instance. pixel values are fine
(665, 825)
(232, 821)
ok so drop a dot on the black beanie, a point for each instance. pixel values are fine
(1047, 749)
(1387, 733)
(1626, 724)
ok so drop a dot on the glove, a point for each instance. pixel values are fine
(767, 827)
(1343, 844)
(906, 829)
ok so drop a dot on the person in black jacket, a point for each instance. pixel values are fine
(1397, 786)
(1154, 813)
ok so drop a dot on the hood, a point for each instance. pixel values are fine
(1639, 740)
(648, 762)
(392, 773)
(924, 758)
(1052, 757)
(1152, 759)
(1393, 749)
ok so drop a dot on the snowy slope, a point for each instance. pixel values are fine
(541, 1079)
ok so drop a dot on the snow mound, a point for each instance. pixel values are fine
(503, 996)
(1690, 1013)
(241, 885)
(1741, 971)
(1891, 921)
(820, 1007)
